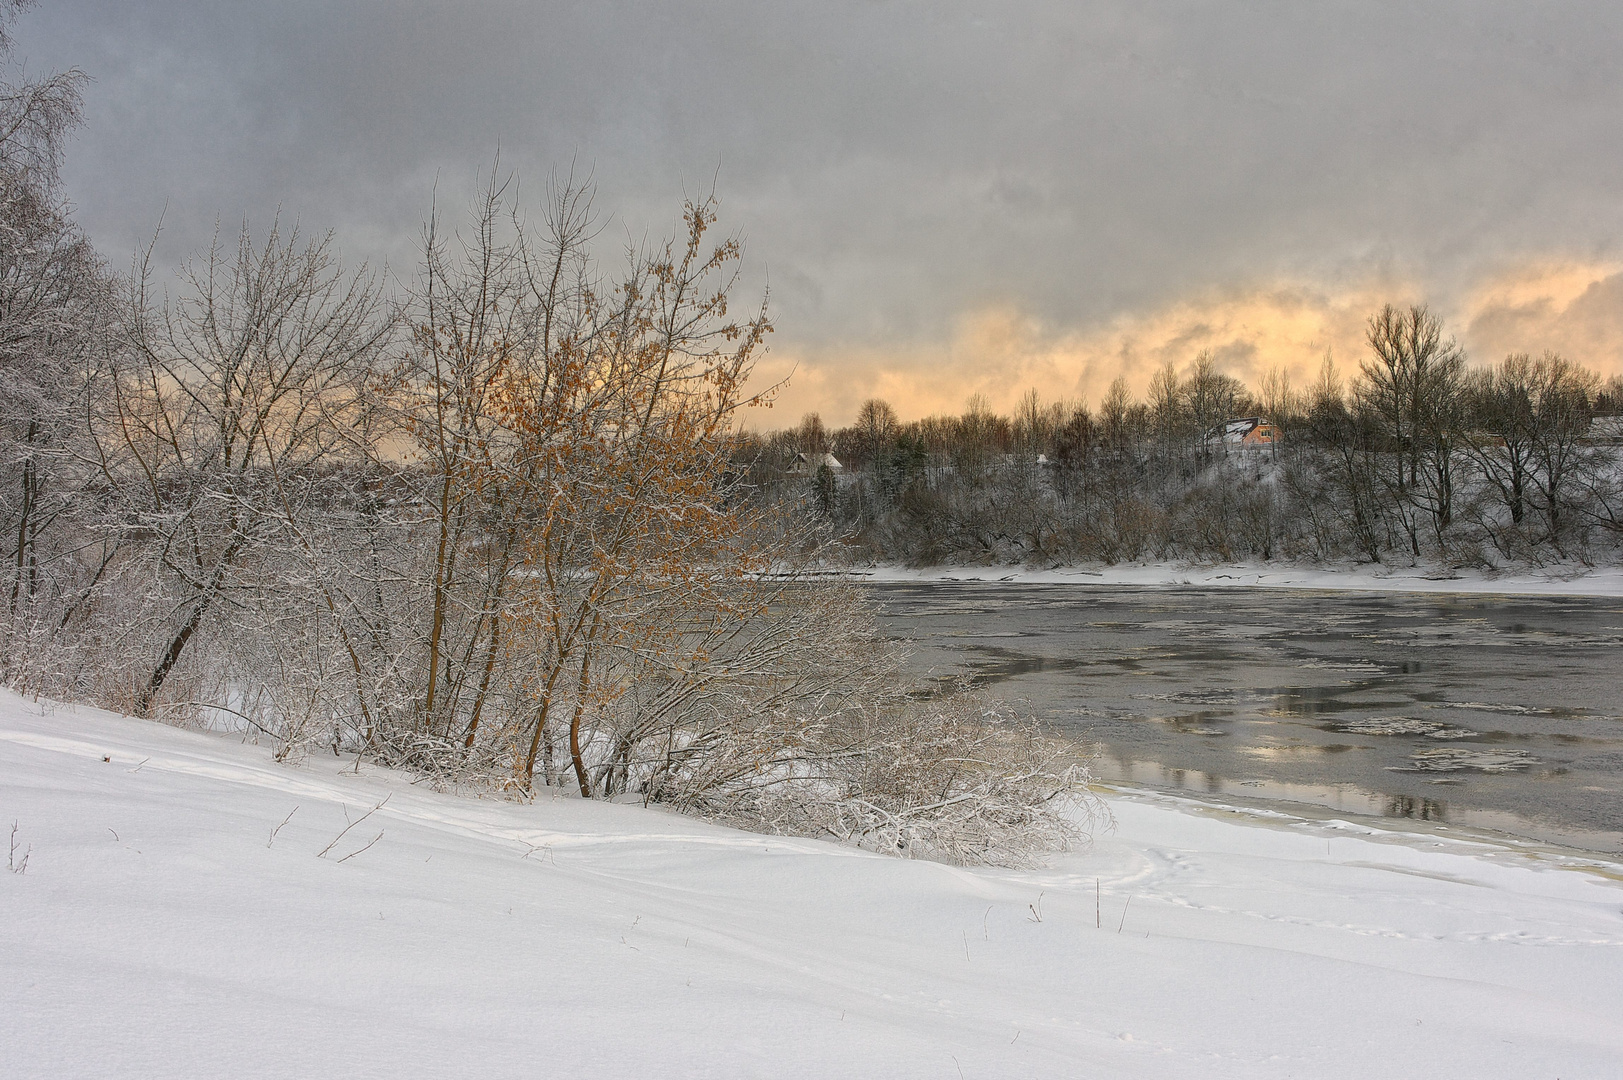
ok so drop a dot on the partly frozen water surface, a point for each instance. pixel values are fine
(1498, 711)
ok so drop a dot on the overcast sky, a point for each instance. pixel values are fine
(946, 198)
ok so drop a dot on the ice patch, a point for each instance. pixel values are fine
(1488, 706)
(1459, 759)
(1207, 696)
(1341, 665)
(1402, 725)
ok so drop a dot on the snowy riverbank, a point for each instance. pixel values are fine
(159, 931)
(1564, 581)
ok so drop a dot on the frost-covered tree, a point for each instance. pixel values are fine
(225, 401)
(1411, 386)
(54, 296)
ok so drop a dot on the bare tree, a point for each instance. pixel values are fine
(625, 439)
(1169, 405)
(1282, 405)
(875, 429)
(1412, 385)
(1560, 393)
(1212, 396)
(36, 115)
(54, 294)
(1500, 440)
(220, 400)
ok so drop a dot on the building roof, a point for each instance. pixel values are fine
(810, 463)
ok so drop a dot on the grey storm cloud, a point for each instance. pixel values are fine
(891, 165)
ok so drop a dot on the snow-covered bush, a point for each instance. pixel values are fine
(957, 778)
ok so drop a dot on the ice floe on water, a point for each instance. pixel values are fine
(1207, 696)
(1357, 666)
(1402, 725)
(1477, 632)
(1494, 707)
(1459, 759)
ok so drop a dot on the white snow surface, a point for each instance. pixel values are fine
(157, 932)
(1556, 581)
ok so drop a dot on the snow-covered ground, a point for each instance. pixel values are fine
(1563, 581)
(159, 930)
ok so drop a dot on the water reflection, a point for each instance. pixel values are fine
(1001, 664)
(1424, 809)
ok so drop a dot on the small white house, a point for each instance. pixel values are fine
(808, 464)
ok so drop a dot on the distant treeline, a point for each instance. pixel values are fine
(1421, 458)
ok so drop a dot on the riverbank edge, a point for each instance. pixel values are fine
(1554, 581)
(1493, 830)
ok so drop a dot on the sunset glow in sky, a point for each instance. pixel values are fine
(945, 199)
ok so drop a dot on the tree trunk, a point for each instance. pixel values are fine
(575, 721)
(177, 645)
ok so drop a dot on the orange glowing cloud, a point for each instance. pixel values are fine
(1575, 309)
(1001, 352)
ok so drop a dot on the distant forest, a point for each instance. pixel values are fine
(1420, 458)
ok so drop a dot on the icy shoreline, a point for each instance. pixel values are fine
(1567, 581)
(177, 917)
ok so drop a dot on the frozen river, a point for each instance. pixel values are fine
(1479, 710)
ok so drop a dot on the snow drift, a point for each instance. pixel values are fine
(177, 917)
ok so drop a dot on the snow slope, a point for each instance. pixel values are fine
(156, 932)
(1570, 581)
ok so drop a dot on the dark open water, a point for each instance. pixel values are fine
(1492, 711)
